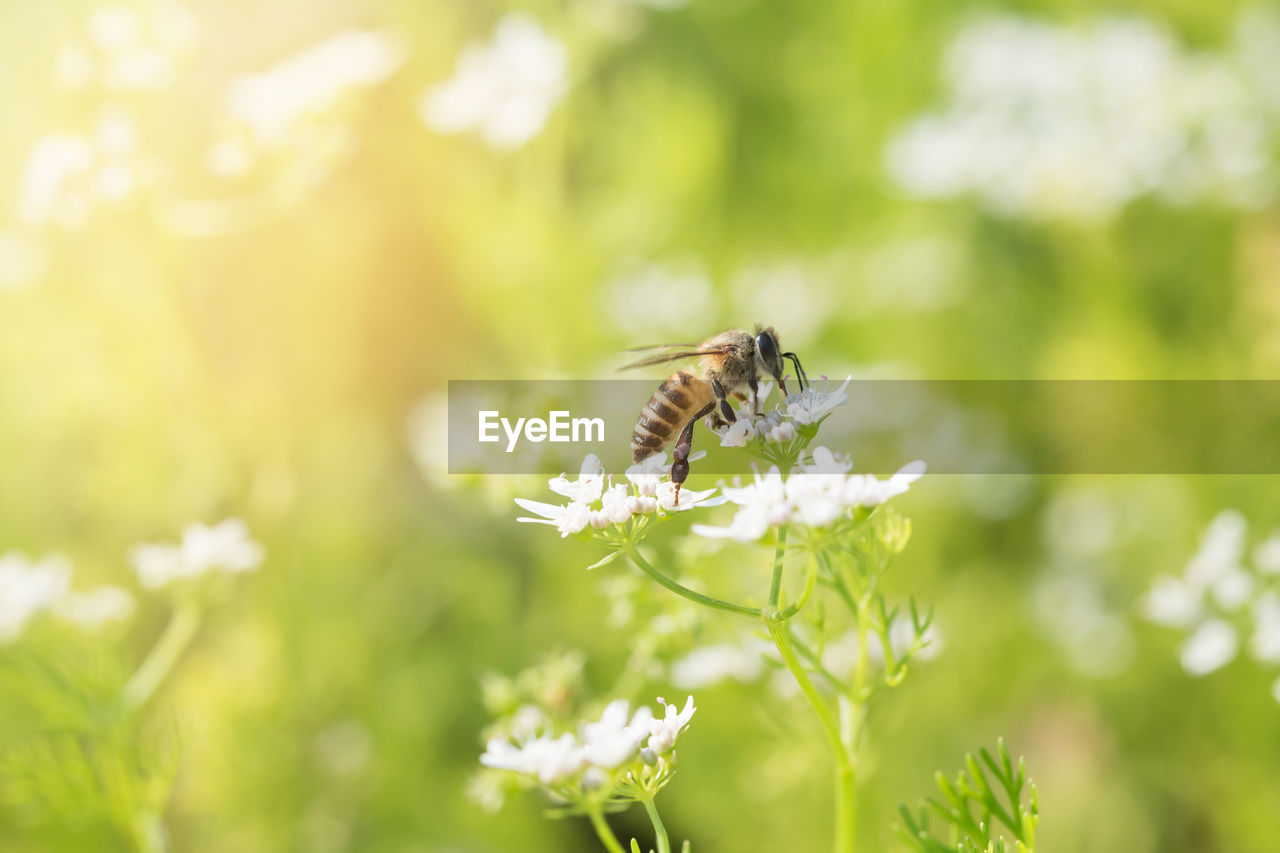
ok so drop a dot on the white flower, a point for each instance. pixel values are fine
(550, 760)
(28, 588)
(567, 519)
(1266, 557)
(587, 487)
(1264, 646)
(712, 664)
(1233, 588)
(817, 494)
(763, 504)
(664, 730)
(225, 546)
(618, 504)
(1213, 645)
(504, 90)
(782, 433)
(94, 608)
(647, 474)
(277, 104)
(1171, 602)
(1220, 552)
(812, 405)
(1074, 122)
(689, 498)
(614, 739)
(737, 434)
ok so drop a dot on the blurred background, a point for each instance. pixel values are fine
(243, 246)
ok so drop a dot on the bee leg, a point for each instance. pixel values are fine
(680, 453)
(754, 385)
(725, 409)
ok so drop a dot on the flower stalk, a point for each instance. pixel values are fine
(160, 661)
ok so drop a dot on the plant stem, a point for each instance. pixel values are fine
(601, 826)
(161, 659)
(846, 793)
(148, 833)
(779, 557)
(664, 844)
(696, 597)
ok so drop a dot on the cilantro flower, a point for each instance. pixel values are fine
(597, 502)
(816, 495)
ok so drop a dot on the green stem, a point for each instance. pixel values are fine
(779, 557)
(161, 659)
(148, 833)
(846, 793)
(607, 838)
(809, 582)
(696, 597)
(664, 844)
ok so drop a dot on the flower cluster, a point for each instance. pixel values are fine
(784, 422)
(1074, 122)
(68, 175)
(609, 755)
(29, 588)
(816, 494)
(595, 501)
(128, 50)
(225, 546)
(290, 108)
(505, 90)
(1217, 594)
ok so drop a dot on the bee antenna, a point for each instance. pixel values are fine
(800, 374)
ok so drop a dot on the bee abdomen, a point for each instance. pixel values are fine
(666, 413)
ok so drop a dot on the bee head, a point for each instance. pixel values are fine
(769, 356)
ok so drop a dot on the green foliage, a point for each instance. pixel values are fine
(977, 812)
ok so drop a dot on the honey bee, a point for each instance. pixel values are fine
(730, 364)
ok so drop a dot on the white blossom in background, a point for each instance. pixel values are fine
(296, 106)
(713, 664)
(1264, 645)
(1221, 602)
(503, 90)
(31, 587)
(125, 48)
(841, 654)
(1074, 122)
(815, 494)
(639, 298)
(592, 504)
(1211, 646)
(27, 589)
(1073, 610)
(97, 607)
(68, 175)
(22, 260)
(225, 546)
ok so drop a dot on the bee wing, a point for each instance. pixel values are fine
(686, 345)
(678, 355)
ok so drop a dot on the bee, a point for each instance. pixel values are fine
(730, 364)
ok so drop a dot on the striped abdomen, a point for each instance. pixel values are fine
(676, 401)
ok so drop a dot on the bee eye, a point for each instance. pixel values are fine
(764, 345)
